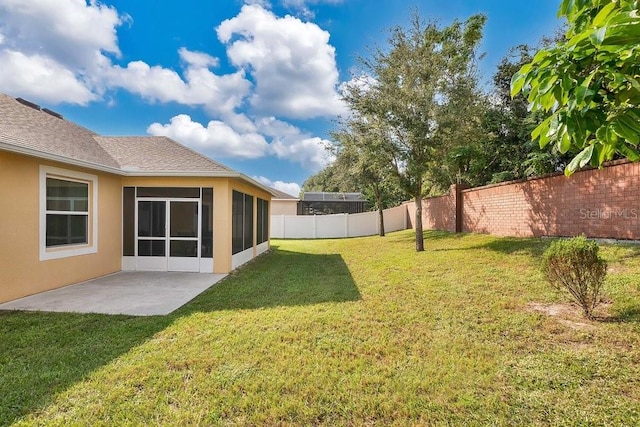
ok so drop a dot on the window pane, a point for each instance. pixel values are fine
(206, 247)
(151, 247)
(66, 230)
(144, 247)
(263, 221)
(184, 219)
(67, 195)
(248, 222)
(183, 248)
(237, 223)
(151, 219)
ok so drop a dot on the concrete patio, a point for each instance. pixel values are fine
(136, 293)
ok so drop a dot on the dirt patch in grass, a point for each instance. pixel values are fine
(570, 314)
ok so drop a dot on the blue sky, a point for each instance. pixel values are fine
(254, 84)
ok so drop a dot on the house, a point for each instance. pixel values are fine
(325, 203)
(283, 203)
(76, 205)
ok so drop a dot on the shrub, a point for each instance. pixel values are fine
(574, 265)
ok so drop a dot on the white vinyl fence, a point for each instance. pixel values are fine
(336, 226)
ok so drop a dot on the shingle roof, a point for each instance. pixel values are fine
(29, 128)
(156, 154)
(282, 195)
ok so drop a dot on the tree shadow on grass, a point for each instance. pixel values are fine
(43, 354)
(518, 245)
(428, 236)
(629, 314)
(281, 278)
(433, 235)
(506, 245)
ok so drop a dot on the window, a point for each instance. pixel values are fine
(241, 222)
(206, 241)
(263, 221)
(248, 222)
(152, 220)
(68, 213)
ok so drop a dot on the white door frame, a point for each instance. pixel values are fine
(168, 263)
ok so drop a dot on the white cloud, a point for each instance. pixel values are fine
(291, 188)
(359, 83)
(59, 41)
(302, 7)
(263, 3)
(69, 41)
(219, 94)
(39, 77)
(75, 42)
(292, 63)
(267, 136)
(197, 59)
(67, 51)
(309, 152)
(70, 31)
(290, 143)
(216, 140)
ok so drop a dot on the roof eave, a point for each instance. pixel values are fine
(117, 171)
(210, 174)
(204, 174)
(56, 158)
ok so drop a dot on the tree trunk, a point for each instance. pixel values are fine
(378, 195)
(381, 220)
(418, 222)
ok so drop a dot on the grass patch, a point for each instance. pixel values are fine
(342, 332)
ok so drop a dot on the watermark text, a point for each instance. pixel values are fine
(613, 214)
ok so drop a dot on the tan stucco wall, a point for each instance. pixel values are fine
(21, 271)
(222, 197)
(284, 207)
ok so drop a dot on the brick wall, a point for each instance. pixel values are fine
(600, 203)
(438, 213)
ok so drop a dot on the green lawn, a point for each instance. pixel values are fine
(343, 332)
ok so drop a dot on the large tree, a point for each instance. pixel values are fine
(412, 86)
(364, 153)
(589, 83)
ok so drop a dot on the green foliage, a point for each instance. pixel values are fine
(589, 82)
(508, 124)
(497, 144)
(413, 90)
(573, 265)
(329, 179)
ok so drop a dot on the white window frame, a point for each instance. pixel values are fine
(65, 251)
